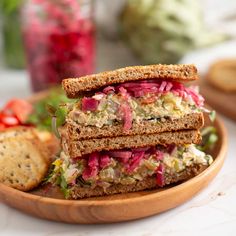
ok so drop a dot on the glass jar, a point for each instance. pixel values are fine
(59, 40)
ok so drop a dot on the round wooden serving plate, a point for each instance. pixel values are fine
(120, 207)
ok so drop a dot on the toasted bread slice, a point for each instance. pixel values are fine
(23, 163)
(78, 132)
(78, 192)
(83, 147)
(75, 87)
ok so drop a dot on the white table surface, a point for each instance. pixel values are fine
(206, 214)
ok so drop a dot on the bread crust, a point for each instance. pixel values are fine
(83, 147)
(78, 192)
(187, 122)
(75, 87)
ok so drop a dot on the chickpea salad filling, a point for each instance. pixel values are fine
(124, 167)
(134, 102)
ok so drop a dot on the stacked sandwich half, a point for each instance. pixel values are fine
(129, 130)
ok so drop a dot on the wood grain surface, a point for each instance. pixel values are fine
(120, 207)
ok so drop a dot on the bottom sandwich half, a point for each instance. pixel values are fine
(127, 170)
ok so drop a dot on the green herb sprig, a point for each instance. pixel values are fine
(51, 106)
(209, 138)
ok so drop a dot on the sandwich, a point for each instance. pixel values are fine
(130, 129)
(140, 101)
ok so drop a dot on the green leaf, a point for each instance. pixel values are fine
(51, 110)
(48, 107)
(48, 177)
(208, 130)
(58, 180)
(209, 138)
(66, 193)
(212, 116)
(63, 183)
(212, 139)
(61, 113)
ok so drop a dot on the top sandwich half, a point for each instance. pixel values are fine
(75, 87)
(133, 101)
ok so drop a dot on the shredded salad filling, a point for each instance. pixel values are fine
(136, 102)
(125, 166)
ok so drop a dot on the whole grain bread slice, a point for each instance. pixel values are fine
(83, 147)
(78, 132)
(78, 192)
(75, 87)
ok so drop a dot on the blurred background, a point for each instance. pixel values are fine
(44, 41)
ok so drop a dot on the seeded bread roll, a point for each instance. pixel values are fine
(75, 87)
(79, 132)
(83, 147)
(78, 192)
(23, 163)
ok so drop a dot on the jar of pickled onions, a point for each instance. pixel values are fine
(59, 40)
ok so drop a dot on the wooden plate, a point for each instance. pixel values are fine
(121, 207)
